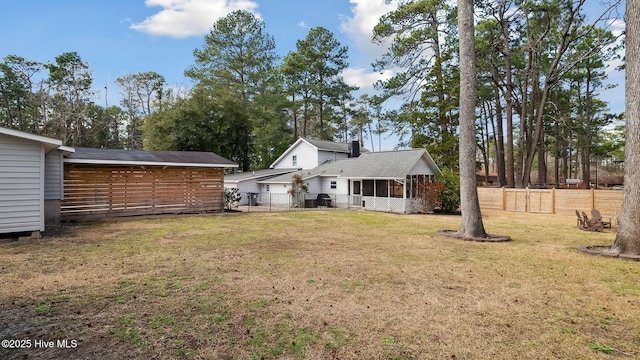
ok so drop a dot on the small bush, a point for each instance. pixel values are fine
(450, 196)
(231, 197)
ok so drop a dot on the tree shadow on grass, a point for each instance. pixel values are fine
(489, 238)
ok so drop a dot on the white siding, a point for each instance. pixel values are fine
(323, 156)
(306, 154)
(342, 186)
(276, 188)
(53, 176)
(315, 185)
(21, 185)
(421, 168)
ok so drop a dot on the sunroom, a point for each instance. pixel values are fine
(390, 181)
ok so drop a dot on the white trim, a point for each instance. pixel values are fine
(142, 163)
(42, 176)
(284, 154)
(369, 178)
(61, 159)
(24, 135)
(67, 149)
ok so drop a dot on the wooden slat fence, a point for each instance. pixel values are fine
(104, 192)
(551, 201)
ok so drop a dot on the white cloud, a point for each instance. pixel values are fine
(359, 27)
(182, 18)
(302, 24)
(363, 79)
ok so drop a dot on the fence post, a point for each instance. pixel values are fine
(593, 199)
(553, 200)
(504, 198)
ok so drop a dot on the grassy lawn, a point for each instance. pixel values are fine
(319, 285)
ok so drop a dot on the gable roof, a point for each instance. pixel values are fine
(49, 143)
(256, 175)
(149, 158)
(388, 164)
(322, 145)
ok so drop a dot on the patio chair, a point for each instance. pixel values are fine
(579, 221)
(587, 224)
(596, 220)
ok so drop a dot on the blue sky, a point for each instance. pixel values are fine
(120, 37)
(129, 36)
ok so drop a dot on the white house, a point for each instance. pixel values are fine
(247, 182)
(308, 153)
(305, 153)
(31, 181)
(383, 181)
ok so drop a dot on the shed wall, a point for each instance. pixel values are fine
(21, 185)
(104, 192)
(53, 175)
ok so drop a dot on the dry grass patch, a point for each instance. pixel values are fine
(316, 285)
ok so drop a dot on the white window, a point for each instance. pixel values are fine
(333, 184)
(267, 187)
(294, 160)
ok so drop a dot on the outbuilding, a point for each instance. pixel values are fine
(31, 181)
(106, 183)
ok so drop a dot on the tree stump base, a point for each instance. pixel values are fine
(490, 238)
(603, 250)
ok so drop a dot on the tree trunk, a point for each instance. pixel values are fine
(628, 237)
(499, 141)
(472, 226)
(508, 96)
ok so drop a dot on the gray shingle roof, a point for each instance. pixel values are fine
(330, 168)
(388, 164)
(151, 158)
(329, 145)
(257, 174)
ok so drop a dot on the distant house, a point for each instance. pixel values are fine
(31, 181)
(101, 183)
(383, 181)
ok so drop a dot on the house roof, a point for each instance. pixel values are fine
(329, 168)
(388, 164)
(255, 175)
(49, 143)
(371, 165)
(328, 145)
(148, 158)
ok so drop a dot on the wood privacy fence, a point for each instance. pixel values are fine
(101, 192)
(551, 201)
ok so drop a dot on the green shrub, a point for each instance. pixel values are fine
(450, 196)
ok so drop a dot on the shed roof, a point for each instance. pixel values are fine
(147, 158)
